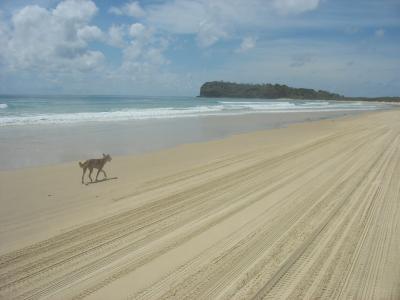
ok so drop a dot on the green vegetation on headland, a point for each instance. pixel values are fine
(221, 89)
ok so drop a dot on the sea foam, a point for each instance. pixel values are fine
(221, 107)
(120, 115)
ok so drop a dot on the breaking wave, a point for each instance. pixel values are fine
(220, 108)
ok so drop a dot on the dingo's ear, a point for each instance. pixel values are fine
(104, 155)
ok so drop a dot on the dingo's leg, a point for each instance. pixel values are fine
(83, 174)
(97, 175)
(101, 170)
(90, 174)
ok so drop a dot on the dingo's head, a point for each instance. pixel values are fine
(107, 157)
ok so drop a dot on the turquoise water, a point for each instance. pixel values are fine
(30, 110)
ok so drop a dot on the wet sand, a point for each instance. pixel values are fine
(38, 145)
(311, 211)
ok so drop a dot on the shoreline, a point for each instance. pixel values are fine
(46, 145)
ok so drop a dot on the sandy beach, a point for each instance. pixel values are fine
(310, 211)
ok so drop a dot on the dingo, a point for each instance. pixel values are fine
(95, 163)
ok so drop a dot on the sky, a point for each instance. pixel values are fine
(171, 47)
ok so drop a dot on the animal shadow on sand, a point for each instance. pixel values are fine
(101, 180)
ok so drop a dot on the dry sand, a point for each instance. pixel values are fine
(306, 212)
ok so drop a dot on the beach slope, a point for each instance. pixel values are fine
(311, 211)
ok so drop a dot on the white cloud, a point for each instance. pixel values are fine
(155, 56)
(52, 40)
(90, 60)
(214, 20)
(247, 44)
(115, 36)
(137, 30)
(143, 56)
(380, 33)
(181, 17)
(52, 48)
(75, 10)
(90, 33)
(209, 20)
(209, 32)
(132, 9)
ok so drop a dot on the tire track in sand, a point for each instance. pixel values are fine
(326, 226)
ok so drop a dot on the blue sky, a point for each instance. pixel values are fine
(170, 47)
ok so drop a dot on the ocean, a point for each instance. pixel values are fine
(33, 110)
